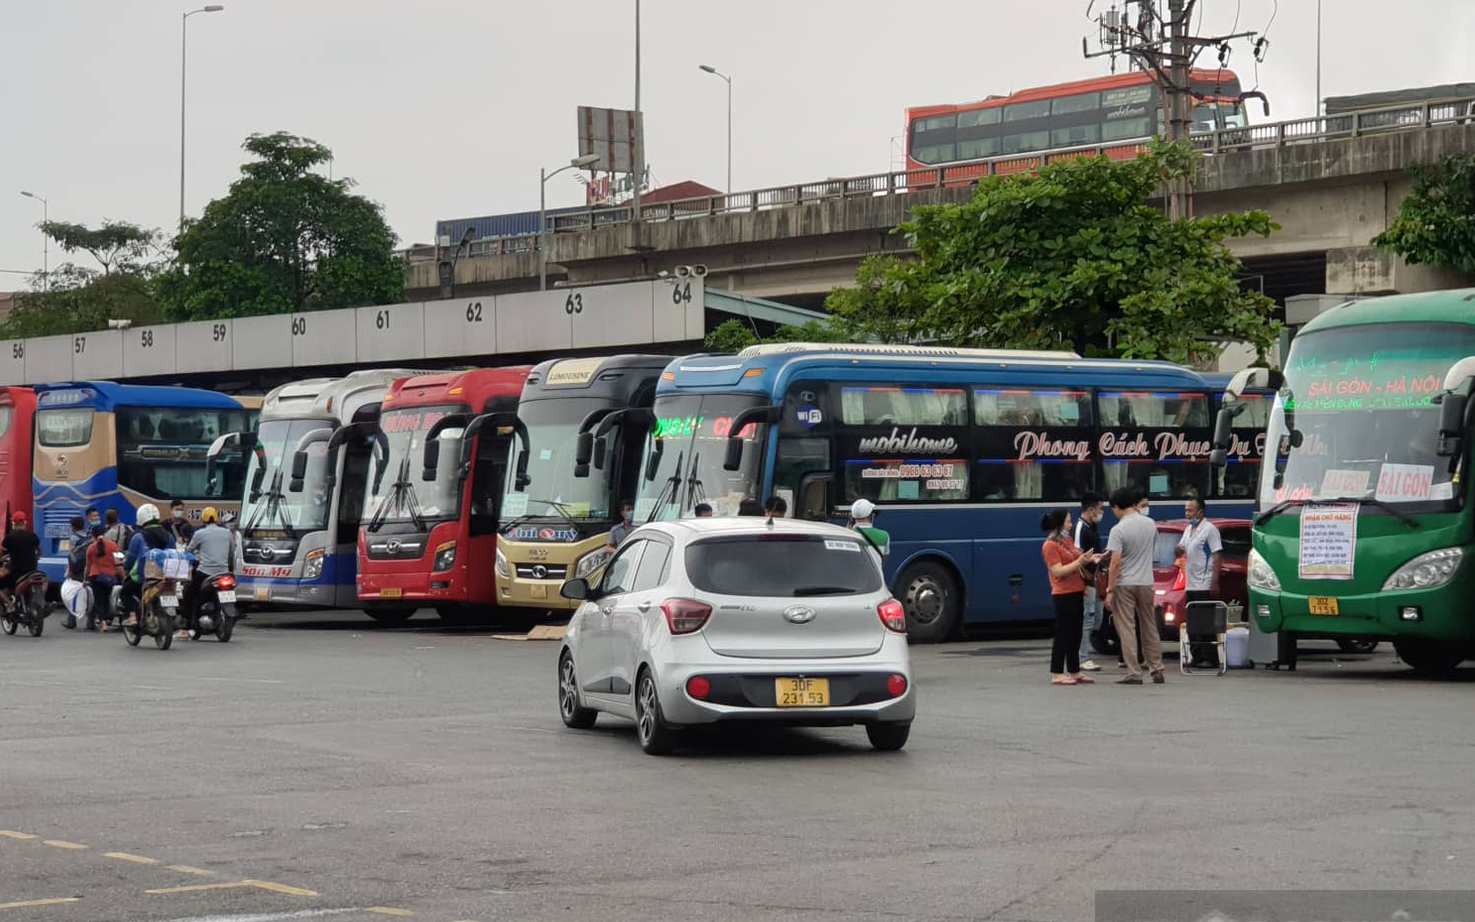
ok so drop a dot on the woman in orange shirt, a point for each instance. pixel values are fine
(102, 573)
(1064, 563)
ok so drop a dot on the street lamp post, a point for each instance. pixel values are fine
(715, 72)
(543, 177)
(183, 47)
(45, 240)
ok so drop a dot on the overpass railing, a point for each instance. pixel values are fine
(1320, 129)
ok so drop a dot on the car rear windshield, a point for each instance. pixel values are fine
(1165, 551)
(783, 565)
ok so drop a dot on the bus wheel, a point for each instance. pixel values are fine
(1431, 658)
(930, 595)
(390, 614)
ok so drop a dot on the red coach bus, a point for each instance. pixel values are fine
(434, 493)
(17, 418)
(1125, 108)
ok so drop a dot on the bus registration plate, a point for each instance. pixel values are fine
(802, 693)
(1324, 605)
(394, 593)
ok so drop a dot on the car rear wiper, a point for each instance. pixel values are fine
(823, 590)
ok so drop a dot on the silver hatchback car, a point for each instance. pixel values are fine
(708, 620)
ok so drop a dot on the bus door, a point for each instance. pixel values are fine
(803, 472)
(489, 459)
(353, 484)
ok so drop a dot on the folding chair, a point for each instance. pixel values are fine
(1201, 619)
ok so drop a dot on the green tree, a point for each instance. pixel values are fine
(81, 298)
(1072, 256)
(283, 239)
(735, 335)
(1436, 222)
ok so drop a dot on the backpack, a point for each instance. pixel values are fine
(77, 560)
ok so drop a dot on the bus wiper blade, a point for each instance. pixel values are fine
(1280, 507)
(559, 508)
(1398, 514)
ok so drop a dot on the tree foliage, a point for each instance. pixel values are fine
(78, 298)
(284, 239)
(735, 335)
(1436, 222)
(1074, 256)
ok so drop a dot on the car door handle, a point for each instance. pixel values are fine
(644, 606)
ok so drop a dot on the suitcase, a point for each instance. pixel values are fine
(1266, 649)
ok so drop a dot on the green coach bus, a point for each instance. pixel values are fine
(1366, 513)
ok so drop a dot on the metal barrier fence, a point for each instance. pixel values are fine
(1413, 117)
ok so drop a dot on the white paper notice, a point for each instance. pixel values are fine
(1328, 541)
(1336, 483)
(514, 505)
(1405, 482)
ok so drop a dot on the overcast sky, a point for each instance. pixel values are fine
(447, 108)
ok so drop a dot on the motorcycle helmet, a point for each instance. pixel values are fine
(209, 515)
(147, 514)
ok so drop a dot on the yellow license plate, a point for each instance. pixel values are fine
(261, 593)
(391, 593)
(802, 693)
(1324, 605)
(539, 591)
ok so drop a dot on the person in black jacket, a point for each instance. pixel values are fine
(24, 550)
(1088, 540)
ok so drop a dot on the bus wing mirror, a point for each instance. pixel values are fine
(600, 451)
(256, 479)
(299, 471)
(1224, 434)
(212, 477)
(733, 459)
(1254, 379)
(1451, 424)
(653, 463)
(583, 451)
(521, 478)
(432, 460)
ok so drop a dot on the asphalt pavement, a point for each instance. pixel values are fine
(321, 766)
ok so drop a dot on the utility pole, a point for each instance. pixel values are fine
(1166, 48)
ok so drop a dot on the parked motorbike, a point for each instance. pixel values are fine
(158, 615)
(27, 605)
(215, 610)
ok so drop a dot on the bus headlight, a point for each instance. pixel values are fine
(503, 570)
(445, 557)
(1427, 571)
(312, 568)
(1260, 575)
(590, 562)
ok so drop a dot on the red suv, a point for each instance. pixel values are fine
(1170, 581)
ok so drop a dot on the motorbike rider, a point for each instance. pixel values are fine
(23, 549)
(150, 535)
(214, 547)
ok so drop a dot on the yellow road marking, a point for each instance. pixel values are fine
(186, 869)
(71, 846)
(136, 859)
(388, 911)
(9, 834)
(280, 888)
(236, 884)
(51, 902)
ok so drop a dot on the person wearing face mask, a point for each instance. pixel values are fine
(1200, 550)
(622, 529)
(176, 523)
(94, 518)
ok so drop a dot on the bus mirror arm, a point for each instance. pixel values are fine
(212, 479)
(1224, 434)
(1258, 378)
(341, 435)
(630, 417)
(734, 457)
(299, 456)
(496, 421)
(584, 444)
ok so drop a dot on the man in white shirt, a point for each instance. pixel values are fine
(1201, 550)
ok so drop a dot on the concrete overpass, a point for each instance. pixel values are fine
(1332, 183)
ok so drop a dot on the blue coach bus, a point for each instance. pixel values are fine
(118, 446)
(961, 450)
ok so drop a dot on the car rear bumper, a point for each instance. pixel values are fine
(744, 690)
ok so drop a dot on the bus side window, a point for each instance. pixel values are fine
(355, 483)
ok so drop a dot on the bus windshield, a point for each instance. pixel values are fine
(691, 438)
(161, 452)
(397, 493)
(275, 507)
(552, 489)
(1355, 421)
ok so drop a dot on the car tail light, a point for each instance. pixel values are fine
(1168, 615)
(683, 616)
(698, 687)
(896, 685)
(225, 582)
(1180, 582)
(893, 616)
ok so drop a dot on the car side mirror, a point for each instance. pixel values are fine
(576, 589)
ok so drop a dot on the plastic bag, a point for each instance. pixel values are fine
(77, 597)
